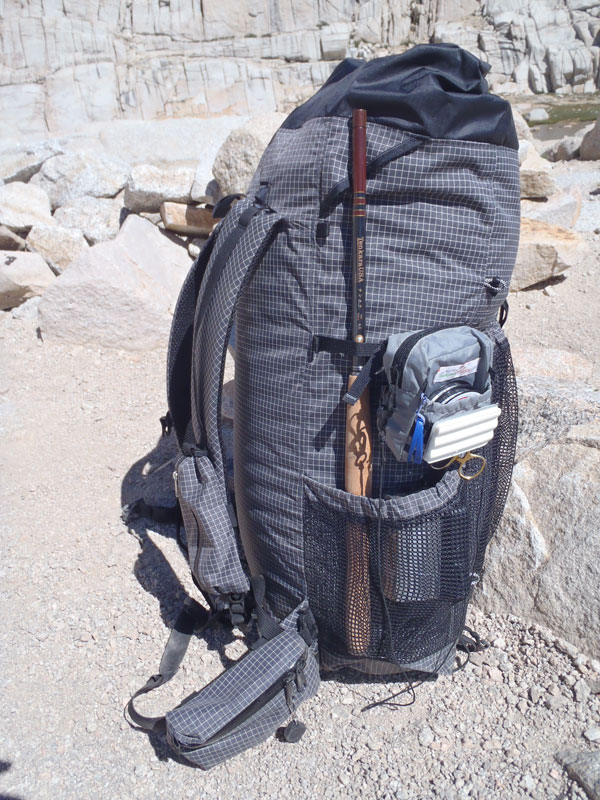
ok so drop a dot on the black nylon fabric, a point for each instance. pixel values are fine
(433, 90)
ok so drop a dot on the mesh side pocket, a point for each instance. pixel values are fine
(212, 543)
(404, 598)
(500, 451)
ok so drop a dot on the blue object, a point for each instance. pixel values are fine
(415, 453)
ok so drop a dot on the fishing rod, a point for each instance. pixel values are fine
(358, 466)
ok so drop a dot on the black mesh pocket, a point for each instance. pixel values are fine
(500, 451)
(389, 579)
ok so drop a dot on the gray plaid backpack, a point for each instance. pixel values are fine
(269, 531)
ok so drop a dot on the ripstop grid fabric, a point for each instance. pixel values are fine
(194, 723)
(211, 540)
(440, 221)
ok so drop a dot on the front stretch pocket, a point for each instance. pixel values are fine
(211, 538)
(386, 577)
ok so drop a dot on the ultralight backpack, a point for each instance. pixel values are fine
(321, 578)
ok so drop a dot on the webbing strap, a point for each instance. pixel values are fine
(139, 508)
(335, 193)
(192, 616)
(346, 347)
(365, 376)
(268, 627)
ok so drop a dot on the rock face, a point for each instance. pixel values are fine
(118, 294)
(537, 47)
(58, 246)
(590, 146)
(544, 564)
(66, 178)
(23, 205)
(22, 275)
(545, 251)
(67, 66)
(149, 186)
(239, 155)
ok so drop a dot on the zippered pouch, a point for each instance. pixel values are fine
(438, 381)
(247, 703)
(213, 550)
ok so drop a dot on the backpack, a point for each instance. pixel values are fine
(322, 578)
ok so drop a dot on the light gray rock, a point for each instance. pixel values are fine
(148, 187)
(9, 240)
(98, 219)
(592, 734)
(82, 68)
(583, 767)
(550, 362)
(23, 205)
(565, 150)
(19, 163)
(535, 175)
(118, 294)
(27, 310)
(545, 251)
(239, 155)
(561, 208)
(73, 175)
(551, 409)
(547, 537)
(204, 189)
(590, 145)
(537, 115)
(57, 245)
(521, 126)
(22, 275)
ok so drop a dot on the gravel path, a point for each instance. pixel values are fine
(86, 605)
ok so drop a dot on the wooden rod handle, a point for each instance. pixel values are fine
(358, 482)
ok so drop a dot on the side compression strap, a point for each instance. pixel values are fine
(192, 617)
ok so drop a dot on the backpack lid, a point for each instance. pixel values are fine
(437, 90)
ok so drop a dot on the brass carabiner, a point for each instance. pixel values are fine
(463, 461)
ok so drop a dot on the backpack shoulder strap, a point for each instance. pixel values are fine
(179, 355)
(246, 233)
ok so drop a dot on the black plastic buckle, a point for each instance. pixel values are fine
(166, 424)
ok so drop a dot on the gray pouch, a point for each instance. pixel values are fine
(431, 375)
(249, 702)
(212, 543)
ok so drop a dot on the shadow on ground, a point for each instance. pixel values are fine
(4, 767)
(151, 479)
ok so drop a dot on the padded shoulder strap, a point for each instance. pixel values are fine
(247, 231)
(179, 357)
